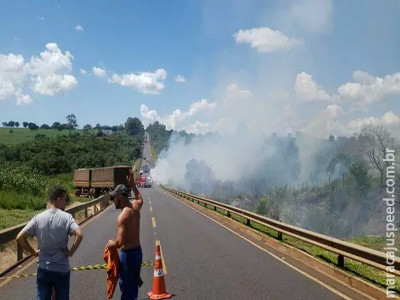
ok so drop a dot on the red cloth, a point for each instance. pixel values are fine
(111, 257)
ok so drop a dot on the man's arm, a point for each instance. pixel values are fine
(119, 241)
(138, 197)
(77, 241)
(131, 183)
(22, 239)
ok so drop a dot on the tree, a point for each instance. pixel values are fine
(72, 122)
(98, 126)
(87, 127)
(25, 124)
(331, 138)
(134, 126)
(5, 124)
(32, 126)
(44, 126)
(11, 124)
(57, 125)
(359, 170)
(16, 124)
(374, 140)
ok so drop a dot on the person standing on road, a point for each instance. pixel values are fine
(128, 229)
(52, 228)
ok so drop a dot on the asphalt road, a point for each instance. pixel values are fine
(203, 260)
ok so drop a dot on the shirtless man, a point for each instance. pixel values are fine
(128, 228)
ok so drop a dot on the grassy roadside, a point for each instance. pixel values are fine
(352, 267)
(153, 153)
(13, 136)
(27, 206)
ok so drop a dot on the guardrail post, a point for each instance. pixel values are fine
(215, 208)
(341, 261)
(86, 213)
(228, 214)
(248, 222)
(279, 235)
(20, 252)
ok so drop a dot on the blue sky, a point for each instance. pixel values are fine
(319, 66)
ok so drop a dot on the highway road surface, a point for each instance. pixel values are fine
(203, 260)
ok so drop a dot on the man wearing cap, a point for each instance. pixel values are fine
(51, 229)
(128, 228)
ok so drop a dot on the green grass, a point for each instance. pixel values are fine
(13, 136)
(12, 217)
(154, 155)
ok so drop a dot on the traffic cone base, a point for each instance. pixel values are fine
(159, 290)
(156, 297)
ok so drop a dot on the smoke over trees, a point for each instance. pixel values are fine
(330, 186)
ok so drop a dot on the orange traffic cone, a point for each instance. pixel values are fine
(159, 289)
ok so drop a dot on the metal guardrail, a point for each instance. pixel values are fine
(9, 234)
(343, 249)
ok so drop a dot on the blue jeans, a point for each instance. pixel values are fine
(45, 282)
(130, 263)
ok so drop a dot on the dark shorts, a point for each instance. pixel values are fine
(130, 263)
(45, 282)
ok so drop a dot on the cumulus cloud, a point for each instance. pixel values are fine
(82, 71)
(307, 89)
(23, 99)
(78, 28)
(389, 119)
(197, 127)
(180, 79)
(265, 39)
(48, 74)
(313, 15)
(99, 72)
(145, 82)
(369, 89)
(175, 119)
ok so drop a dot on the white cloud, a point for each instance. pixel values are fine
(201, 106)
(149, 115)
(369, 89)
(50, 72)
(145, 82)
(47, 74)
(307, 89)
(334, 111)
(180, 79)
(265, 39)
(197, 127)
(389, 119)
(83, 71)
(78, 28)
(177, 116)
(99, 72)
(313, 15)
(326, 122)
(23, 99)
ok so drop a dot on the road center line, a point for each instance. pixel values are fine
(262, 249)
(153, 220)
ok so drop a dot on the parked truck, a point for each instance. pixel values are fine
(98, 181)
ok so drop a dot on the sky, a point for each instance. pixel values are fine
(318, 66)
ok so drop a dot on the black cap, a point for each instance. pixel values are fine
(120, 189)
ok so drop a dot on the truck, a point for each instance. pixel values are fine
(98, 181)
(144, 180)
